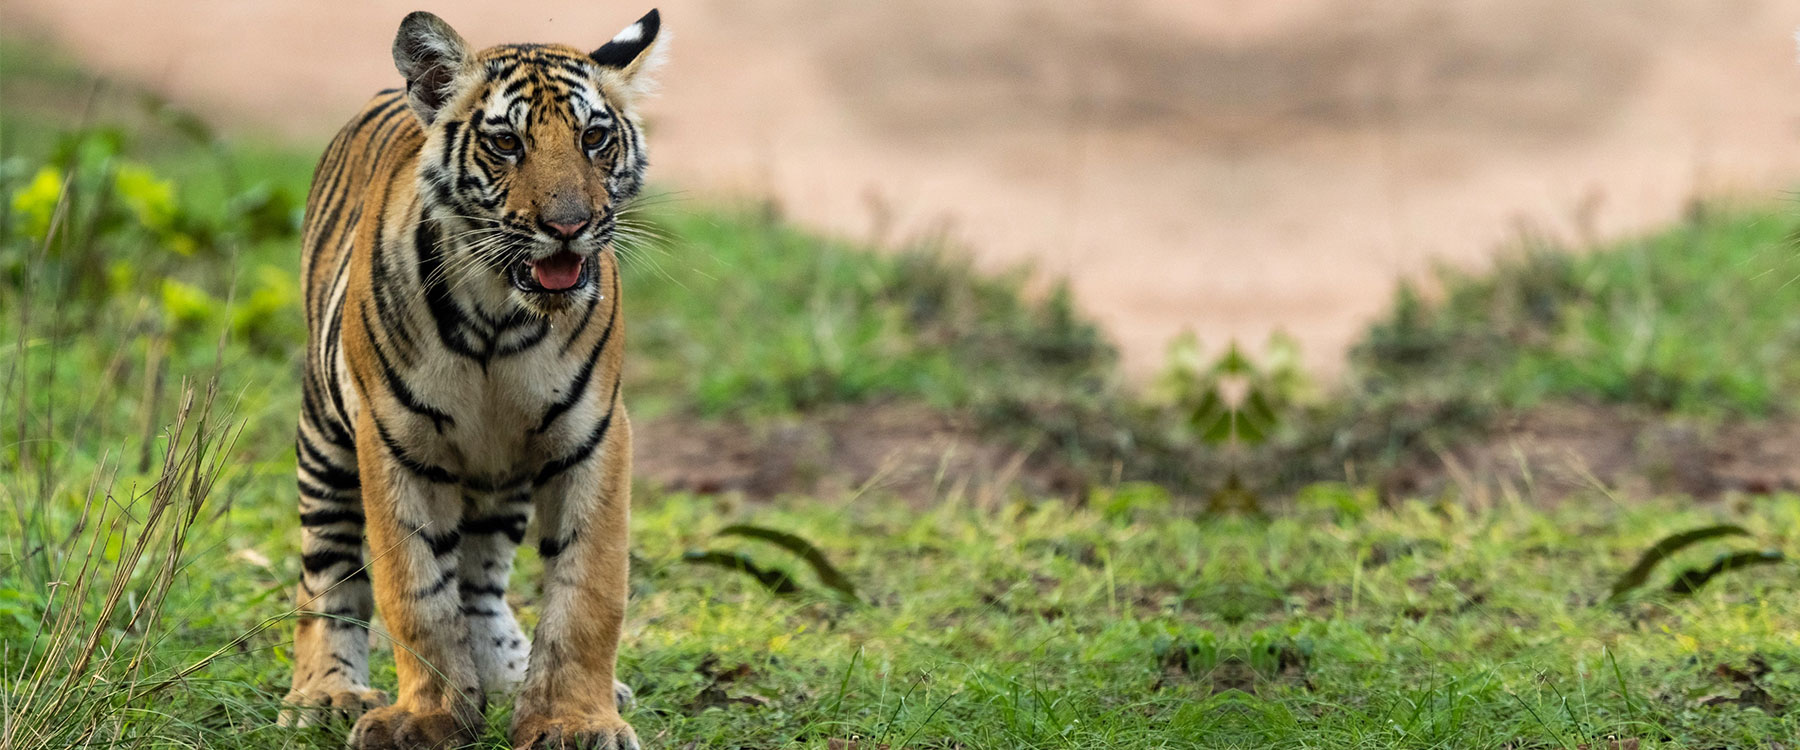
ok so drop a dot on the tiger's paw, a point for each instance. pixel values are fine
(322, 705)
(582, 733)
(396, 728)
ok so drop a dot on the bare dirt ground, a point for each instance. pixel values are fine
(1562, 450)
(885, 450)
(1229, 166)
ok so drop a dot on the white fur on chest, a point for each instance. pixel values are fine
(503, 419)
(501, 409)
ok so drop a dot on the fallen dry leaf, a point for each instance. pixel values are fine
(1612, 744)
(250, 555)
(839, 743)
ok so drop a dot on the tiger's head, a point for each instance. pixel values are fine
(530, 151)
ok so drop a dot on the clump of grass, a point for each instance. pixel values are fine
(88, 671)
(1694, 319)
(739, 314)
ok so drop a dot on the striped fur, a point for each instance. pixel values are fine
(457, 384)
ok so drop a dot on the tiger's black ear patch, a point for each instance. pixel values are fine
(628, 45)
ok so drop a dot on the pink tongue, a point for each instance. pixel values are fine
(557, 272)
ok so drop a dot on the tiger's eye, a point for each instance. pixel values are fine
(504, 142)
(593, 137)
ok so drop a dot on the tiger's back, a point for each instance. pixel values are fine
(367, 158)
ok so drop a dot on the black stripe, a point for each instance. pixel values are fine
(322, 468)
(612, 310)
(333, 432)
(386, 131)
(451, 131)
(332, 343)
(525, 343)
(512, 525)
(387, 113)
(442, 544)
(586, 450)
(549, 547)
(470, 589)
(499, 69)
(396, 385)
(443, 583)
(328, 517)
(394, 318)
(308, 489)
(425, 471)
(336, 537)
(578, 389)
(444, 310)
(319, 562)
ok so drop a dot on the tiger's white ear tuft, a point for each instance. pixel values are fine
(635, 53)
(429, 54)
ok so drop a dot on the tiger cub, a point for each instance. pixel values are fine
(462, 375)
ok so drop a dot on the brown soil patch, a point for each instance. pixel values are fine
(891, 450)
(1556, 452)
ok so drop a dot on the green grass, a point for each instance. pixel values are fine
(1692, 322)
(1124, 619)
(1696, 319)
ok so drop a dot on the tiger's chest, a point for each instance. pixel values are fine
(495, 420)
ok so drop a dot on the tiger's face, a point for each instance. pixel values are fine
(530, 150)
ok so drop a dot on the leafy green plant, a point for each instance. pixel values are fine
(775, 580)
(1234, 405)
(1691, 579)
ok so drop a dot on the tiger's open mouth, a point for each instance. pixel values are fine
(560, 273)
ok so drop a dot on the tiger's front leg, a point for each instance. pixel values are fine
(568, 700)
(413, 521)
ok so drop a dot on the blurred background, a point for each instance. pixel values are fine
(1314, 373)
(1229, 167)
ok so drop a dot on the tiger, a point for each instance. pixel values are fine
(462, 375)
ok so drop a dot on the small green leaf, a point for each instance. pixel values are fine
(150, 199)
(185, 304)
(1668, 546)
(1692, 579)
(828, 573)
(36, 202)
(775, 580)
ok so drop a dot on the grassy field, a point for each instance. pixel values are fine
(148, 386)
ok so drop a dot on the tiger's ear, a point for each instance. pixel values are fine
(429, 54)
(633, 52)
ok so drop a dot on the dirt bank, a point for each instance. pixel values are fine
(1227, 166)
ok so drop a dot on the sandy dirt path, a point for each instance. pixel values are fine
(1227, 166)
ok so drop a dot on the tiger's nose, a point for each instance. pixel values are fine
(566, 227)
